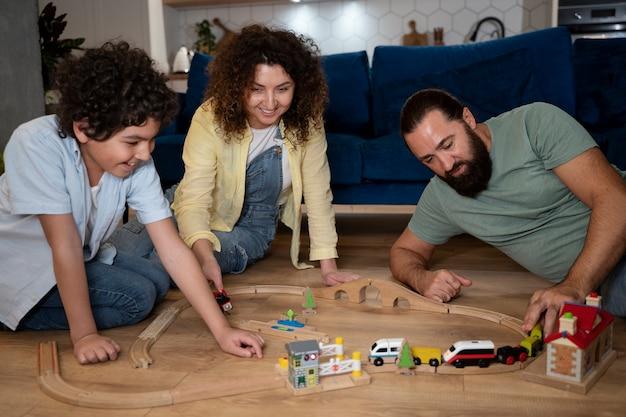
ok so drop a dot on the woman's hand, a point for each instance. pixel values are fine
(203, 251)
(331, 276)
(94, 348)
(241, 343)
(212, 271)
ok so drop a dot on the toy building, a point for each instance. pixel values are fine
(584, 340)
(303, 363)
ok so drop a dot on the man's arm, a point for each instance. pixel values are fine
(69, 270)
(590, 177)
(409, 258)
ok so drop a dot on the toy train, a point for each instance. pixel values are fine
(462, 353)
(223, 300)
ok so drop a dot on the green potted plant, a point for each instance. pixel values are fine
(53, 49)
(206, 38)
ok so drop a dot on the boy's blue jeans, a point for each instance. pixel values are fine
(120, 294)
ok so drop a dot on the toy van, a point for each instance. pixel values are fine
(385, 351)
(471, 352)
(426, 355)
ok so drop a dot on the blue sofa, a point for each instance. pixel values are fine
(369, 161)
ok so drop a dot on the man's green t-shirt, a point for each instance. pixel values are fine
(526, 211)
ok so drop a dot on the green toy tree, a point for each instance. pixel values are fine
(405, 361)
(309, 302)
(290, 314)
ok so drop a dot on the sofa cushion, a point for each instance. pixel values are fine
(389, 159)
(344, 158)
(489, 87)
(349, 105)
(613, 143)
(197, 81)
(168, 158)
(600, 81)
(549, 51)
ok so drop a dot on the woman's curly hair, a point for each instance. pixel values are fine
(233, 70)
(113, 87)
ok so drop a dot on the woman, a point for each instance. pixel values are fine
(255, 149)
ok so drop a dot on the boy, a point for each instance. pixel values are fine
(67, 181)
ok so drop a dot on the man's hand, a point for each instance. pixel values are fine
(441, 285)
(94, 348)
(548, 303)
(241, 343)
(212, 272)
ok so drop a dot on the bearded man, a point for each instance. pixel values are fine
(530, 182)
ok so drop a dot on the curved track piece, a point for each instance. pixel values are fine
(52, 383)
(139, 354)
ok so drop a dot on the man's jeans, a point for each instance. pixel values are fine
(613, 290)
(120, 294)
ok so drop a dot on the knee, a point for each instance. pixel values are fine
(136, 303)
(162, 284)
(232, 259)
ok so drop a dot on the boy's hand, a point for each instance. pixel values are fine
(94, 348)
(241, 343)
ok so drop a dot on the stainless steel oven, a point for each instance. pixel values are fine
(593, 19)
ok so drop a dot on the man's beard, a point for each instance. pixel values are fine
(477, 172)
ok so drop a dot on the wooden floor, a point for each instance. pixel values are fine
(187, 354)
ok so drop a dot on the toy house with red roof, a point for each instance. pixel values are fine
(584, 340)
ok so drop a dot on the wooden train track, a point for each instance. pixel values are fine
(391, 294)
(53, 384)
(139, 354)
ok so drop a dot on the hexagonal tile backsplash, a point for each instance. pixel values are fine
(345, 26)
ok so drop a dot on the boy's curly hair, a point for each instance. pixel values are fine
(113, 87)
(233, 70)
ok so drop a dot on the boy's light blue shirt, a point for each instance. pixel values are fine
(45, 174)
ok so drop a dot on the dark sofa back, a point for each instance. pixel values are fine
(197, 81)
(601, 93)
(350, 96)
(600, 73)
(491, 77)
